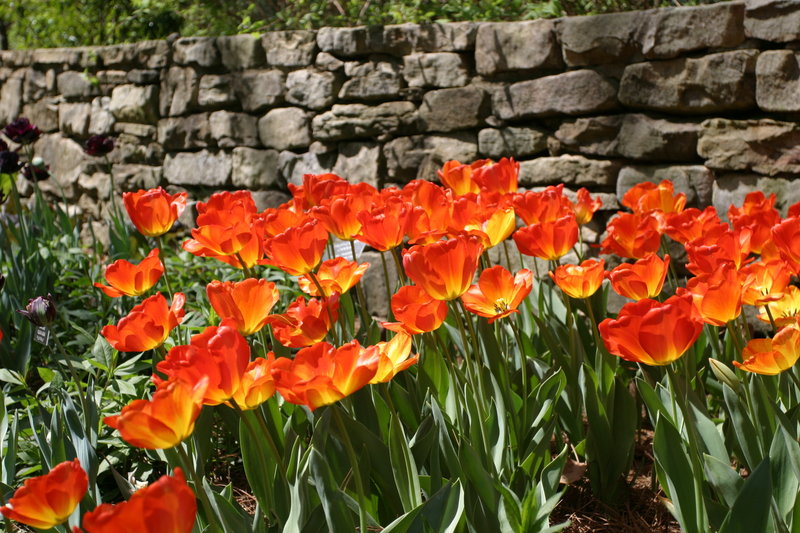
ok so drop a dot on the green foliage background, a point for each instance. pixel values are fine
(49, 23)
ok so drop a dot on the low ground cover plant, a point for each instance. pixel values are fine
(233, 378)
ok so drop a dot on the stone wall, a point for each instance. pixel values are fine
(707, 96)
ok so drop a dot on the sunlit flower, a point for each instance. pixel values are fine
(692, 224)
(127, 279)
(394, 357)
(415, 311)
(772, 356)
(444, 269)
(257, 384)
(147, 325)
(548, 205)
(498, 293)
(304, 324)
(384, 227)
(632, 235)
(548, 240)
(642, 279)
(248, 303)
(787, 238)
(786, 310)
(585, 206)
(706, 254)
(334, 275)
(580, 281)
(299, 249)
(154, 211)
(718, 295)
(758, 214)
(500, 177)
(764, 281)
(458, 176)
(648, 197)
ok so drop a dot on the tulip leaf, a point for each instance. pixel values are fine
(709, 434)
(750, 511)
(784, 457)
(442, 513)
(337, 513)
(404, 467)
(745, 433)
(723, 478)
(260, 472)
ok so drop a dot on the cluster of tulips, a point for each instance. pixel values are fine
(439, 239)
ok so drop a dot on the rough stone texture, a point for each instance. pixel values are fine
(712, 83)
(632, 136)
(233, 129)
(267, 199)
(240, 52)
(141, 77)
(765, 146)
(374, 80)
(570, 169)
(508, 46)
(440, 69)
(130, 149)
(101, 121)
(254, 169)
(290, 48)
(38, 84)
(453, 109)
(216, 91)
(193, 131)
(320, 158)
(73, 119)
(419, 156)
(695, 181)
(135, 177)
(731, 189)
(377, 304)
(353, 121)
(133, 103)
(346, 42)
(609, 38)
(73, 84)
(143, 131)
(257, 89)
(285, 128)
(10, 100)
(204, 168)
(66, 160)
(359, 161)
(196, 51)
(778, 81)
(43, 113)
(571, 93)
(675, 31)
(326, 61)
(772, 20)
(178, 93)
(117, 77)
(511, 142)
(311, 88)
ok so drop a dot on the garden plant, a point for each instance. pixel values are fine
(232, 378)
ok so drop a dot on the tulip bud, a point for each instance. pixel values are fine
(41, 311)
(724, 374)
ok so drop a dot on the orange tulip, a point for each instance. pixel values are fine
(148, 324)
(651, 332)
(772, 356)
(692, 224)
(305, 324)
(238, 245)
(498, 293)
(491, 219)
(585, 206)
(717, 296)
(764, 281)
(632, 235)
(257, 384)
(758, 214)
(383, 227)
(786, 310)
(163, 421)
(580, 281)
(548, 240)
(219, 355)
(444, 269)
(339, 214)
(321, 374)
(316, 188)
(642, 279)
(279, 219)
(165, 506)
(227, 208)
(416, 311)
(297, 250)
(705, 255)
(431, 211)
(547, 205)
(334, 275)
(126, 279)
(247, 302)
(498, 177)
(154, 211)
(393, 357)
(786, 236)
(458, 176)
(648, 197)
(46, 501)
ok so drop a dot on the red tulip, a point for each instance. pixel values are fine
(498, 293)
(148, 324)
(580, 281)
(642, 279)
(154, 211)
(126, 279)
(548, 240)
(248, 303)
(444, 269)
(415, 311)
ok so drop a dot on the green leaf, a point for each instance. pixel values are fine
(750, 511)
(404, 467)
(784, 457)
(441, 513)
(337, 513)
(723, 478)
(259, 471)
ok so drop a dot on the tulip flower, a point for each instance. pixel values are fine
(334, 275)
(549, 205)
(238, 245)
(384, 227)
(219, 355)
(642, 279)
(580, 281)
(717, 296)
(21, 131)
(548, 240)
(787, 239)
(415, 311)
(316, 188)
(444, 269)
(393, 357)
(98, 145)
(127, 279)
(298, 250)
(279, 219)
(321, 374)
(498, 177)
(632, 235)
(458, 176)
(46, 501)
(163, 421)
(772, 356)
(339, 214)
(166, 506)
(758, 214)
(648, 197)
(706, 254)
(585, 206)
(692, 224)
(9, 163)
(304, 324)
(651, 332)
(248, 303)
(764, 281)
(498, 293)
(148, 324)
(154, 211)
(784, 311)
(227, 208)
(40, 311)
(257, 384)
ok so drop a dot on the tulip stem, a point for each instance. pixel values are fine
(771, 319)
(160, 241)
(508, 256)
(200, 491)
(252, 432)
(362, 299)
(389, 314)
(273, 448)
(737, 344)
(74, 376)
(351, 455)
(523, 368)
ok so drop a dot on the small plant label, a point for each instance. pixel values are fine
(41, 335)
